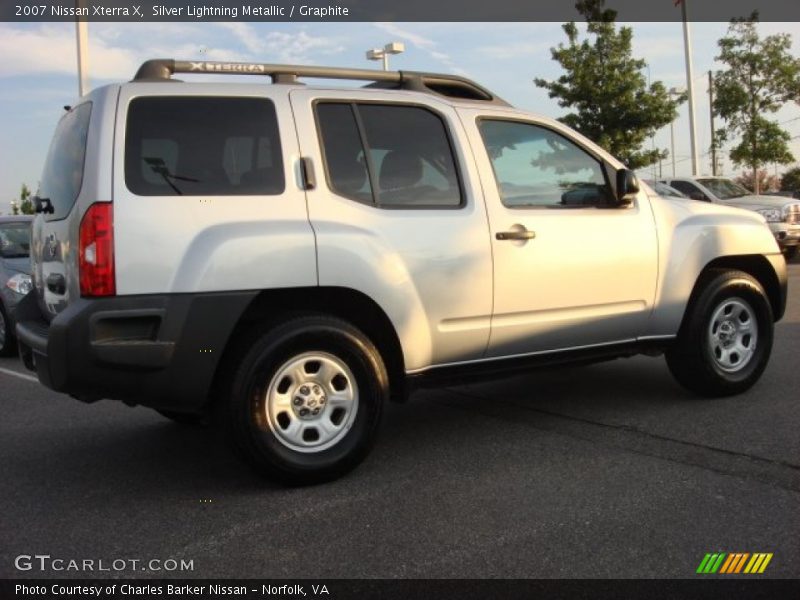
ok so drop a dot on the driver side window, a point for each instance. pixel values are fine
(536, 167)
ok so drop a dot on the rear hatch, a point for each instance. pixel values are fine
(61, 182)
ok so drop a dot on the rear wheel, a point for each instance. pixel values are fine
(8, 344)
(726, 338)
(305, 400)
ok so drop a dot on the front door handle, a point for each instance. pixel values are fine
(514, 234)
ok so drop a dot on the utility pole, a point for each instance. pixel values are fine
(687, 47)
(711, 114)
(82, 39)
(673, 92)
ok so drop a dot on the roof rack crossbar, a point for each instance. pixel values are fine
(162, 69)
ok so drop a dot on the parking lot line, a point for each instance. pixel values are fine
(20, 375)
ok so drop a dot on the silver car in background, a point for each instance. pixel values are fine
(15, 274)
(782, 214)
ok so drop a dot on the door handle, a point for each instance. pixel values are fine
(56, 283)
(309, 177)
(522, 234)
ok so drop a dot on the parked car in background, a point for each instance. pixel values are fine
(785, 194)
(15, 274)
(662, 189)
(782, 214)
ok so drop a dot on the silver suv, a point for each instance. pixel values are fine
(288, 258)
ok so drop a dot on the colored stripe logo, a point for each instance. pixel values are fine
(734, 563)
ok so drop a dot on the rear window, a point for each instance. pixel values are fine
(201, 146)
(63, 169)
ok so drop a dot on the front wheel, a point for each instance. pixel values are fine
(306, 399)
(726, 338)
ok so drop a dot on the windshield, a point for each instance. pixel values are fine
(665, 190)
(724, 189)
(15, 240)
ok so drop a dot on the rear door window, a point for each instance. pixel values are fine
(62, 177)
(395, 156)
(202, 146)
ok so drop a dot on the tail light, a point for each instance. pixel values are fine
(96, 251)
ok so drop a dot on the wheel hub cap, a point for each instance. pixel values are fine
(733, 335)
(311, 402)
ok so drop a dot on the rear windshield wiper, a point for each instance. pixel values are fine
(158, 166)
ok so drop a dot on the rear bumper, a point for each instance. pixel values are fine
(160, 351)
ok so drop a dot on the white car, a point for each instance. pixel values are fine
(289, 257)
(782, 214)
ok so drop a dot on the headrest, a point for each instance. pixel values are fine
(400, 169)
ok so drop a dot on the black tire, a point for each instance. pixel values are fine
(695, 360)
(8, 343)
(246, 415)
(790, 252)
(183, 418)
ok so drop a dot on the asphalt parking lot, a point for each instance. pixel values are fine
(610, 470)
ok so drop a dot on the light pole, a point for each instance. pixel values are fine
(687, 48)
(81, 37)
(383, 53)
(673, 92)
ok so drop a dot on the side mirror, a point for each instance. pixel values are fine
(698, 196)
(627, 186)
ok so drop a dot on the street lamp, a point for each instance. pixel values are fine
(82, 39)
(673, 92)
(383, 53)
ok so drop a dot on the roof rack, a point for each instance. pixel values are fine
(451, 86)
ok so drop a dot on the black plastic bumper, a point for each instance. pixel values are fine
(160, 351)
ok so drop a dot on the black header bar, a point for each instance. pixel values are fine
(383, 10)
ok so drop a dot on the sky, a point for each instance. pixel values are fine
(38, 73)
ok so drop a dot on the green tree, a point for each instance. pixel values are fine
(25, 204)
(790, 182)
(604, 87)
(760, 76)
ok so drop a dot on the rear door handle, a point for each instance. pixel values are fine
(523, 234)
(309, 177)
(56, 283)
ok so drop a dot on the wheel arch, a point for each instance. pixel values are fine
(755, 265)
(345, 303)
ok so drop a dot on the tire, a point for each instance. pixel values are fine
(183, 418)
(8, 343)
(790, 252)
(305, 399)
(725, 340)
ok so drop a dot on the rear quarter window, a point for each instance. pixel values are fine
(62, 177)
(202, 146)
